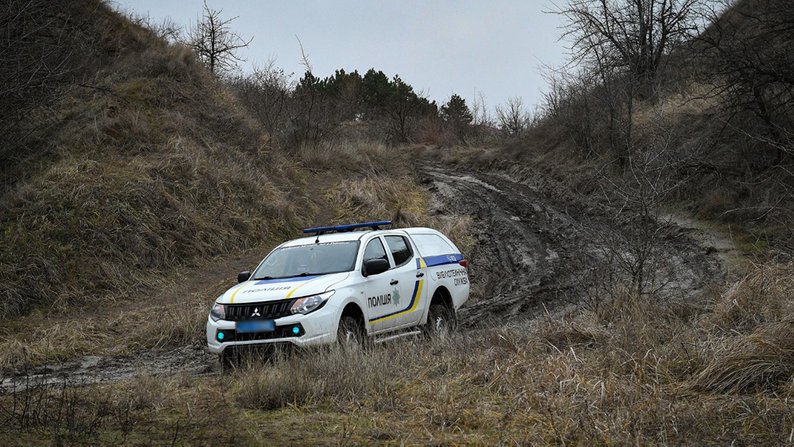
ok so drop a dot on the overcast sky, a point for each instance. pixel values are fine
(440, 47)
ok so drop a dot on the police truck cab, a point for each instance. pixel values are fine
(342, 284)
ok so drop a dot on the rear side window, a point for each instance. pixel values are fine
(400, 249)
(374, 250)
(433, 245)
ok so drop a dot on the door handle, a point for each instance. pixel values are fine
(420, 275)
(393, 282)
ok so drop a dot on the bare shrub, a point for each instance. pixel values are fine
(431, 130)
(513, 117)
(265, 92)
(638, 196)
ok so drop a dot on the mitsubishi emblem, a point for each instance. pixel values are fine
(256, 313)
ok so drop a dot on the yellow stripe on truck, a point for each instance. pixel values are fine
(234, 294)
(291, 292)
(409, 310)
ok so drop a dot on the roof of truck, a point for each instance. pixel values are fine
(353, 236)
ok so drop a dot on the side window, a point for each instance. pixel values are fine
(374, 250)
(400, 249)
(432, 245)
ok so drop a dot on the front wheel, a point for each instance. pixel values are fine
(351, 334)
(441, 322)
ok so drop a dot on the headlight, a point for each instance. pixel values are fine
(218, 312)
(310, 303)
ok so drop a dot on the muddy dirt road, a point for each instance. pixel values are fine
(537, 248)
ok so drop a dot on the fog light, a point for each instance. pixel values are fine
(296, 330)
(221, 335)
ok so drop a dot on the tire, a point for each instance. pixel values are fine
(351, 336)
(441, 322)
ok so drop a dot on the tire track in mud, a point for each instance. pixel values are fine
(537, 247)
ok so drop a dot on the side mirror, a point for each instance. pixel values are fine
(243, 276)
(375, 266)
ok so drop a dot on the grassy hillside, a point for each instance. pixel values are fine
(149, 167)
(144, 163)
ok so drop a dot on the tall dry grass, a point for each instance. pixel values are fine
(632, 371)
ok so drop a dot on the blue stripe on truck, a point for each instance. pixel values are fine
(432, 261)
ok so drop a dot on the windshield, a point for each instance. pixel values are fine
(309, 260)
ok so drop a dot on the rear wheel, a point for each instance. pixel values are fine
(441, 321)
(351, 334)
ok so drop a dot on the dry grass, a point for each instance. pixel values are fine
(630, 372)
(157, 169)
(619, 375)
(753, 341)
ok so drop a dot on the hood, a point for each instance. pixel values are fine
(278, 289)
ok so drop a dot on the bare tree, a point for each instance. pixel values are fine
(479, 111)
(214, 42)
(512, 117)
(633, 34)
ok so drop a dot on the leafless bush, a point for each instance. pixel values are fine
(638, 195)
(513, 117)
(266, 93)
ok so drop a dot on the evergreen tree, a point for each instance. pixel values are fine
(457, 114)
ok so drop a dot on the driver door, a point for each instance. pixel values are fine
(377, 292)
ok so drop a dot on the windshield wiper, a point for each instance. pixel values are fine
(299, 275)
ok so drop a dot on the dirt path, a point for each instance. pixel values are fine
(537, 248)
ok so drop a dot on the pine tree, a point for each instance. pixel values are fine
(457, 114)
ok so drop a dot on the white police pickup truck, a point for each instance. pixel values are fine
(344, 285)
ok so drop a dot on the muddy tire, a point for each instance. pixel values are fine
(351, 335)
(441, 322)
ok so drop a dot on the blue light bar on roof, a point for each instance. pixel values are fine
(349, 227)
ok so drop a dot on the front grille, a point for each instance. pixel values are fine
(266, 311)
(289, 331)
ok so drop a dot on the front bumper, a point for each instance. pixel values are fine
(316, 328)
